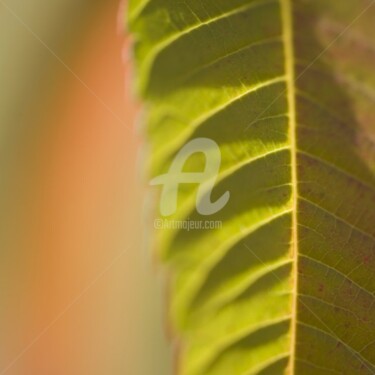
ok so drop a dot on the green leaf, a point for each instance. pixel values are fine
(286, 89)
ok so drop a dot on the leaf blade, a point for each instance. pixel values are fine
(304, 131)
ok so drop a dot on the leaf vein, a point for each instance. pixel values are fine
(338, 218)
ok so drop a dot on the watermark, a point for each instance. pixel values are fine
(206, 179)
(187, 225)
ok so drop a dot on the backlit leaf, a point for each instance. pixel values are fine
(286, 89)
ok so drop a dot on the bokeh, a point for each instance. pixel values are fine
(79, 290)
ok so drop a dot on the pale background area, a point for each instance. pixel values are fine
(79, 290)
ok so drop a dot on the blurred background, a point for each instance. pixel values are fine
(79, 290)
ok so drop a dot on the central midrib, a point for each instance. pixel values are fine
(287, 22)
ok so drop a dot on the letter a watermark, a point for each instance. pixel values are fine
(206, 179)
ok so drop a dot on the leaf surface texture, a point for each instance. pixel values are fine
(286, 89)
